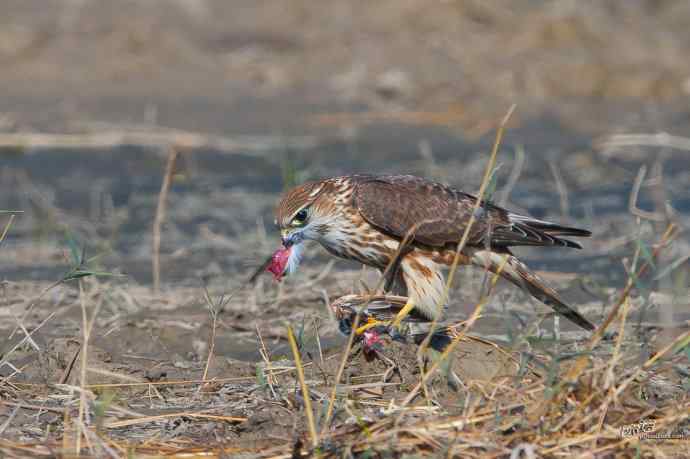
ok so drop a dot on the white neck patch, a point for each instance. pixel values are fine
(295, 257)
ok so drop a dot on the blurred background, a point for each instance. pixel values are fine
(257, 96)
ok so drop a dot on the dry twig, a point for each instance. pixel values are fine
(160, 216)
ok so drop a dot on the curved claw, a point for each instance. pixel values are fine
(371, 323)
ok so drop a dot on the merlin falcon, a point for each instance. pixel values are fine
(365, 218)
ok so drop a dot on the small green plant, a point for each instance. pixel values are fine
(101, 405)
(80, 265)
(261, 380)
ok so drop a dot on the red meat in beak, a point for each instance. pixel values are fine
(279, 262)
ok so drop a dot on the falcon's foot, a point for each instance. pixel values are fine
(371, 323)
(392, 327)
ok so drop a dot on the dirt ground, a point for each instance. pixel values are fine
(257, 96)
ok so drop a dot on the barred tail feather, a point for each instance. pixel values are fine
(519, 274)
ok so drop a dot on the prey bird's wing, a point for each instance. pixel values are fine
(396, 203)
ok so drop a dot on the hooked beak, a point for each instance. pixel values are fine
(285, 238)
(291, 238)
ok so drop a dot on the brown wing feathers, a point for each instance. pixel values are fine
(396, 203)
(524, 233)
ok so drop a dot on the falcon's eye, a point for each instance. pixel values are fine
(300, 217)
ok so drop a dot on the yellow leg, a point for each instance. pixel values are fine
(404, 312)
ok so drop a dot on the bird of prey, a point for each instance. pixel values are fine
(366, 217)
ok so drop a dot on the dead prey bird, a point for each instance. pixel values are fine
(376, 309)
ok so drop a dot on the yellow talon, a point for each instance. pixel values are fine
(399, 317)
(371, 322)
(404, 312)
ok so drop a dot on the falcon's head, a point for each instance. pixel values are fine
(304, 213)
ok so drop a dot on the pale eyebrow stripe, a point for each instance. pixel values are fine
(315, 192)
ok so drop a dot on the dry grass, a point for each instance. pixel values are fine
(544, 414)
(536, 414)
